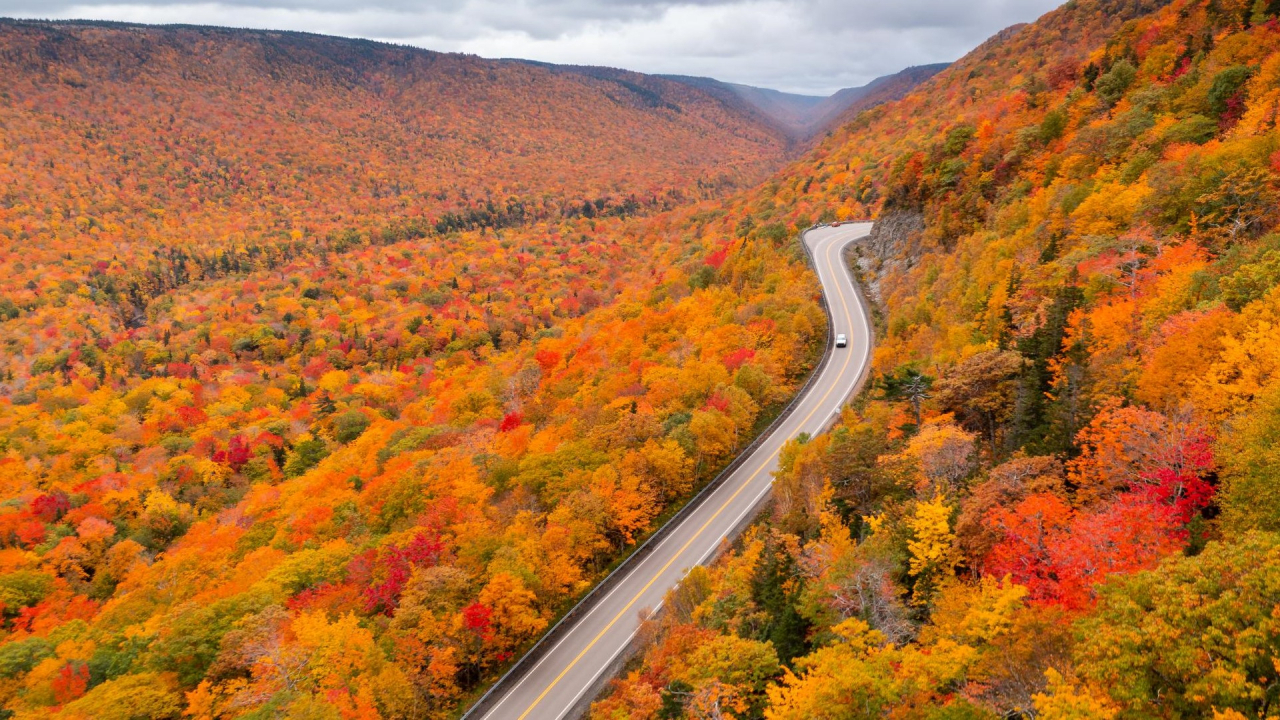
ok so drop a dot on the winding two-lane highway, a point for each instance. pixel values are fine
(570, 672)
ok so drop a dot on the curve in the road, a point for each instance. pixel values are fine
(602, 629)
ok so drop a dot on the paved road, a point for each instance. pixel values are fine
(572, 670)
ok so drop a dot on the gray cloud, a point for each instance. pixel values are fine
(813, 46)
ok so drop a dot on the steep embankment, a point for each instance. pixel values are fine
(1061, 496)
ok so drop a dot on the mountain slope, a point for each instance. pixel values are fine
(261, 133)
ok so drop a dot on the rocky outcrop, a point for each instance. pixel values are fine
(894, 244)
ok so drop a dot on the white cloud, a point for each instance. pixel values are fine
(814, 46)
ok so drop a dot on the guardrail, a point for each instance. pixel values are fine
(552, 636)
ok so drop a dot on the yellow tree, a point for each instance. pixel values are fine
(714, 433)
(1065, 700)
(515, 616)
(932, 547)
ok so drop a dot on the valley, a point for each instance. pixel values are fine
(339, 375)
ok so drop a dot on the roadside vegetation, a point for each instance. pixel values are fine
(307, 412)
(1059, 499)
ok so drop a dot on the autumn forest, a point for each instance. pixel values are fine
(335, 372)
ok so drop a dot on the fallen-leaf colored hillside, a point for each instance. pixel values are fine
(1060, 498)
(153, 145)
(364, 482)
(333, 371)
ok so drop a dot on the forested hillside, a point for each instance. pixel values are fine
(322, 396)
(1060, 499)
(190, 149)
(332, 371)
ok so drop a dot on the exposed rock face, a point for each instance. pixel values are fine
(895, 232)
(894, 244)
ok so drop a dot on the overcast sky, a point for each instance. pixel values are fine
(809, 46)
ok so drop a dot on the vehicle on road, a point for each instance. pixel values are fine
(841, 340)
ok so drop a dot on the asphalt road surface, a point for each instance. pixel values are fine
(574, 668)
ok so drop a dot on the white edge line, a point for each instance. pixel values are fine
(589, 613)
(592, 681)
(714, 546)
(748, 509)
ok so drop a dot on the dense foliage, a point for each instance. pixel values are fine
(134, 160)
(1060, 499)
(294, 421)
(332, 423)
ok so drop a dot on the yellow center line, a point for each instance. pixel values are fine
(696, 535)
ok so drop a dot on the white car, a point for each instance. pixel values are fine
(841, 340)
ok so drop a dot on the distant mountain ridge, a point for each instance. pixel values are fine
(845, 104)
(803, 117)
(267, 126)
(797, 117)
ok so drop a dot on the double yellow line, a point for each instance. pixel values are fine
(627, 608)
